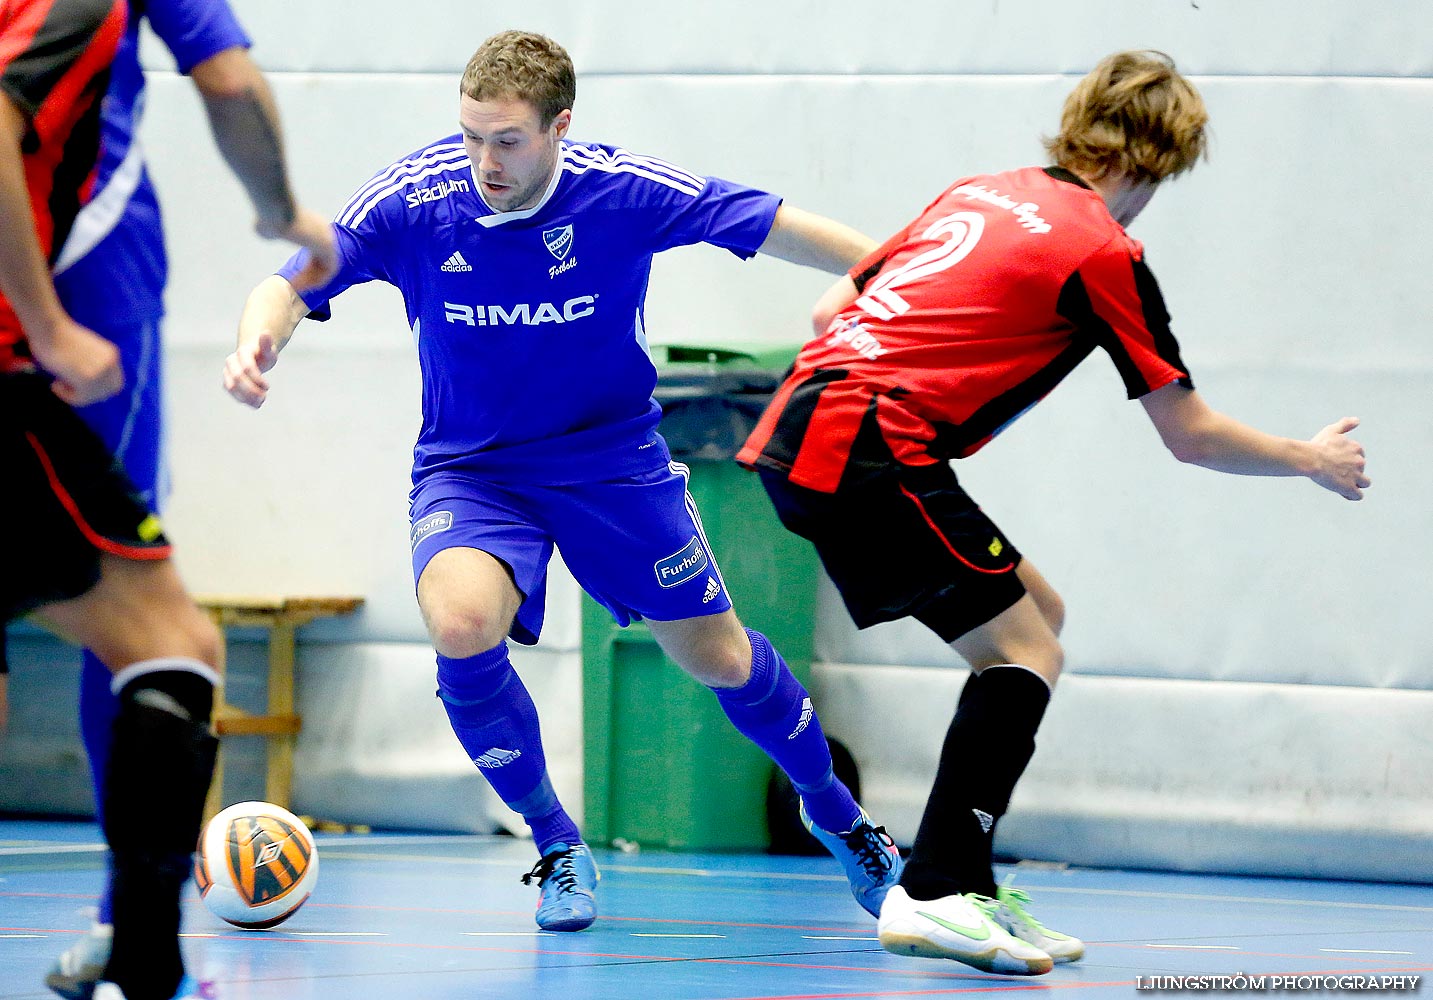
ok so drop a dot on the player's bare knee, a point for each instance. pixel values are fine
(727, 667)
(714, 651)
(179, 628)
(1052, 606)
(205, 640)
(458, 632)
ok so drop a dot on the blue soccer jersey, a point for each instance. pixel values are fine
(529, 324)
(112, 268)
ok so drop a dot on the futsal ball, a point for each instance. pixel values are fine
(256, 865)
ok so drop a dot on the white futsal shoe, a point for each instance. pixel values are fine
(74, 973)
(960, 928)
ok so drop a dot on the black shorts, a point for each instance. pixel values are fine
(65, 501)
(907, 544)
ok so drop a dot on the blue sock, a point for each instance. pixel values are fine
(774, 711)
(98, 707)
(496, 722)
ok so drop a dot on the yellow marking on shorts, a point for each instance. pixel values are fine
(149, 529)
(995, 547)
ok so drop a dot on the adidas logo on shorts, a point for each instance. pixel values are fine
(496, 757)
(456, 263)
(985, 819)
(713, 589)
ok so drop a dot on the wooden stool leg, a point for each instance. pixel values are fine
(214, 801)
(279, 783)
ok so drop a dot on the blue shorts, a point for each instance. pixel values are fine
(635, 544)
(131, 423)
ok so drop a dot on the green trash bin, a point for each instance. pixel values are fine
(663, 766)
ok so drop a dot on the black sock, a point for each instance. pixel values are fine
(161, 760)
(987, 748)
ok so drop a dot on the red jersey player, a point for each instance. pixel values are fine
(930, 346)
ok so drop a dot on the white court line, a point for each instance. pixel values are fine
(1198, 947)
(54, 849)
(628, 869)
(640, 934)
(361, 840)
(813, 937)
(509, 934)
(1363, 951)
(9, 937)
(364, 839)
(335, 933)
(1210, 898)
(202, 935)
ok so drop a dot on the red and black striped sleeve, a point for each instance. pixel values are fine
(43, 41)
(1113, 299)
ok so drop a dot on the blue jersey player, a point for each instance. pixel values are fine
(523, 259)
(110, 276)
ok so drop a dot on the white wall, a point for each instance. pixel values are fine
(1295, 263)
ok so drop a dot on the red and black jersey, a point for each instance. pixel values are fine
(966, 318)
(54, 65)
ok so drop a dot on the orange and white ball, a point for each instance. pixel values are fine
(256, 865)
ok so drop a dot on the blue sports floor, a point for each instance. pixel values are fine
(433, 917)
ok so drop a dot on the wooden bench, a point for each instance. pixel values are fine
(280, 618)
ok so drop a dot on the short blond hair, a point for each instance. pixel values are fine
(1132, 113)
(526, 66)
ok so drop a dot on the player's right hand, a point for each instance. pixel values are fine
(85, 366)
(244, 370)
(1342, 460)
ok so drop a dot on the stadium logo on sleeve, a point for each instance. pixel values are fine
(430, 525)
(558, 241)
(687, 563)
(442, 189)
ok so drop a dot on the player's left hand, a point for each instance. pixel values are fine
(312, 232)
(1341, 460)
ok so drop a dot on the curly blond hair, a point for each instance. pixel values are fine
(526, 66)
(1132, 113)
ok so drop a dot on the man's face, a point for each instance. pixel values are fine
(513, 155)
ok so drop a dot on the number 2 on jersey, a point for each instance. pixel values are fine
(960, 232)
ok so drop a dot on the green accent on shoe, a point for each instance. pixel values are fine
(984, 929)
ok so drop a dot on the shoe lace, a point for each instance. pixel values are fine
(872, 846)
(554, 864)
(1017, 900)
(990, 907)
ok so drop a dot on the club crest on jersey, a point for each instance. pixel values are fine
(558, 241)
(687, 563)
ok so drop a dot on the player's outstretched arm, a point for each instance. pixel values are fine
(245, 123)
(85, 366)
(812, 240)
(836, 298)
(1197, 434)
(271, 313)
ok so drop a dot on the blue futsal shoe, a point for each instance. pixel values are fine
(189, 989)
(873, 865)
(568, 878)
